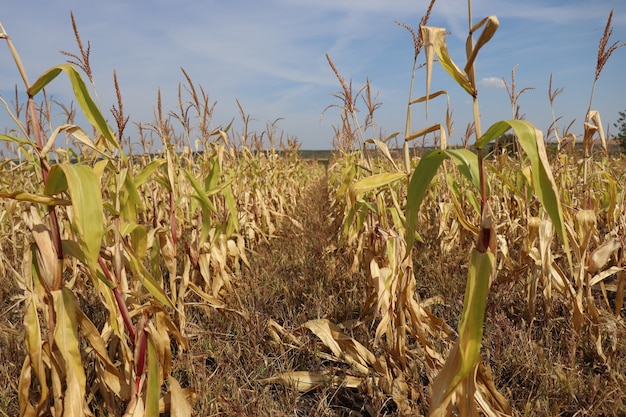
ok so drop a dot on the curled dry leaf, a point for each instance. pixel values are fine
(600, 256)
(49, 265)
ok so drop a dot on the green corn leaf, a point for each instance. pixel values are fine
(86, 103)
(465, 160)
(231, 203)
(36, 198)
(214, 173)
(467, 163)
(420, 180)
(544, 185)
(348, 174)
(495, 131)
(474, 305)
(373, 182)
(84, 187)
(131, 201)
(153, 388)
(145, 173)
(201, 193)
(18, 140)
(465, 354)
(206, 205)
(147, 280)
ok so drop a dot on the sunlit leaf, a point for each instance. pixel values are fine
(420, 181)
(304, 381)
(464, 356)
(66, 338)
(87, 208)
(180, 406)
(86, 103)
(543, 182)
(491, 27)
(36, 198)
(435, 43)
(152, 389)
(373, 182)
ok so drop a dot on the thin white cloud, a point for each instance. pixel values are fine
(492, 82)
(269, 54)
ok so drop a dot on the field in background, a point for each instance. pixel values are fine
(232, 273)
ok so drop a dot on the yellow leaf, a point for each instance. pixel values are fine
(304, 381)
(373, 182)
(179, 406)
(66, 339)
(343, 347)
(486, 35)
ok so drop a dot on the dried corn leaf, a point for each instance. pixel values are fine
(304, 381)
(491, 27)
(66, 338)
(343, 347)
(180, 405)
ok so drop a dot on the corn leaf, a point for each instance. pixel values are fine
(36, 198)
(145, 173)
(112, 377)
(231, 203)
(435, 43)
(84, 187)
(464, 356)
(428, 97)
(467, 163)
(130, 202)
(179, 406)
(153, 389)
(146, 278)
(304, 381)
(531, 141)
(15, 139)
(371, 183)
(86, 103)
(66, 338)
(485, 36)
(343, 346)
(420, 180)
(33, 346)
(382, 146)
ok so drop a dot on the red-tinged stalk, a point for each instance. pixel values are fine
(141, 347)
(119, 299)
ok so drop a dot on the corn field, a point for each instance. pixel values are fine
(219, 273)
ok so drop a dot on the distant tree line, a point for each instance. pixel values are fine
(621, 131)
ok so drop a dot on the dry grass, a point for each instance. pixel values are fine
(291, 280)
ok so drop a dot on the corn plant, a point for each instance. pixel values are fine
(74, 247)
(382, 220)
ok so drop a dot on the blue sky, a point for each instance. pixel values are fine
(269, 54)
